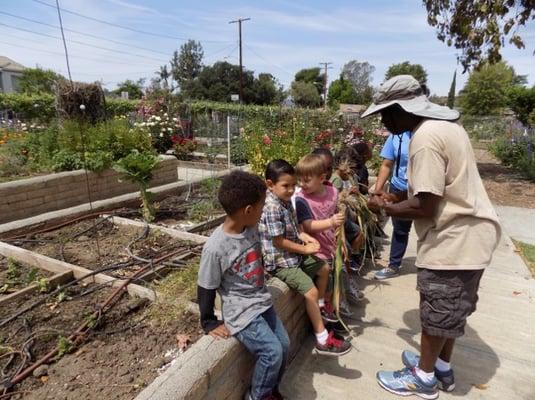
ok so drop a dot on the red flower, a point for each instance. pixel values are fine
(267, 140)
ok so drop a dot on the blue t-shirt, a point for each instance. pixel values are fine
(392, 151)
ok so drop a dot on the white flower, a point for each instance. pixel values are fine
(157, 118)
(170, 129)
(161, 134)
(175, 119)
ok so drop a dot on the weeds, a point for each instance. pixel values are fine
(176, 290)
(64, 347)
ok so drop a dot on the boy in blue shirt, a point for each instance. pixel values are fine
(395, 154)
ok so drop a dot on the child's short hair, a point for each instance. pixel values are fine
(310, 165)
(362, 151)
(276, 168)
(347, 154)
(240, 189)
(322, 151)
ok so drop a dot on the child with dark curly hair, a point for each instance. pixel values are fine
(231, 264)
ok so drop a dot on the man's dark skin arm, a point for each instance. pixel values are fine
(423, 205)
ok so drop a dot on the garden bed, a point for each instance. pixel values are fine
(187, 210)
(125, 351)
(97, 243)
(15, 276)
(123, 346)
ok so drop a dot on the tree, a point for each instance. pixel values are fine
(479, 27)
(451, 93)
(342, 91)
(38, 80)
(187, 65)
(522, 101)
(133, 88)
(406, 68)
(163, 76)
(305, 94)
(359, 74)
(267, 90)
(485, 92)
(313, 76)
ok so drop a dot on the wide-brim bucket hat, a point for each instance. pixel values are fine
(406, 91)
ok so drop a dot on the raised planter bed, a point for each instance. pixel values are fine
(28, 197)
(121, 348)
(102, 243)
(125, 350)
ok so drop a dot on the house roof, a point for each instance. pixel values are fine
(9, 65)
(352, 108)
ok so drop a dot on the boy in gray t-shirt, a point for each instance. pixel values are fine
(231, 264)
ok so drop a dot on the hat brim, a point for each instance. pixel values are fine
(420, 106)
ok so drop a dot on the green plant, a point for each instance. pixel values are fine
(33, 275)
(91, 320)
(199, 211)
(64, 346)
(66, 160)
(210, 186)
(13, 269)
(238, 152)
(138, 167)
(42, 285)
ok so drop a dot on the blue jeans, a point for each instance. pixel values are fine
(400, 237)
(266, 338)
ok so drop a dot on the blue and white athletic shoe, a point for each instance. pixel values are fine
(387, 272)
(446, 380)
(405, 382)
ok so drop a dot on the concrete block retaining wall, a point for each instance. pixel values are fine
(29, 197)
(221, 369)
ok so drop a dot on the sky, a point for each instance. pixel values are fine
(281, 37)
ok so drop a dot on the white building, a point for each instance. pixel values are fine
(10, 73)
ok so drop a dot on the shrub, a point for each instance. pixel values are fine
(518, 154)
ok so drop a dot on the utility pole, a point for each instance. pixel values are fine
(239, 21)
(326, 65)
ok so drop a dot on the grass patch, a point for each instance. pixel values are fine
(527, 252)
(176, 289)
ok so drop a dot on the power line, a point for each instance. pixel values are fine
(266, 60)
(83, 33)
(83, 43)
(123, 26)
(106, 60)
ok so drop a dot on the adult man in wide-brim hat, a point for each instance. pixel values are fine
(457, 228)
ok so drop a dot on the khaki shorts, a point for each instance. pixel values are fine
(301, 279)
(447, 298)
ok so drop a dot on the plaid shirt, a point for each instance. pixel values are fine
(278, 219)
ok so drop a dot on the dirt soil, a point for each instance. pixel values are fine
(21, 277)
(82, 247)
(120, 357)
(505, 186)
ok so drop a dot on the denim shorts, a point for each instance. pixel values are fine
(447, 298)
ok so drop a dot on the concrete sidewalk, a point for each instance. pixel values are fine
(494, 360)
(518, 223)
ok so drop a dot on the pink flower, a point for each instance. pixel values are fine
(267, 140)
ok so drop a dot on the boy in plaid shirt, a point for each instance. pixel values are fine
(288, 254)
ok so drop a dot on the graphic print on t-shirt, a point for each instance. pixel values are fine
(248, 266)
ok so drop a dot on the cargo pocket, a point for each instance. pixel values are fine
(440, 305)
